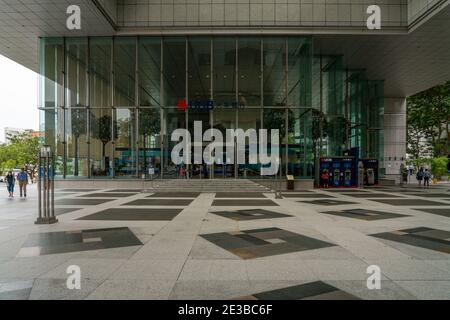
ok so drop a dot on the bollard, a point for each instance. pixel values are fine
(46, 187)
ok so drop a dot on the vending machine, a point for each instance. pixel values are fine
(342, 172)
(371, 171)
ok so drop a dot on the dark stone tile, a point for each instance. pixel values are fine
(239, 195)
(81, 202)
(344, 190)
(81, 240)
(266, 242)
(409, 202)
(431, 195)
(128, 214)
(427, 238)
(307, 195)
(373, 195)
(174, 195)
(125, 190)
(76, 190)
(441, 212)
(362, 214)
(250, 214)
(108, 195)
(244, 203)
(159, 202)
(304, 291)
(59, 211)
(328, 202)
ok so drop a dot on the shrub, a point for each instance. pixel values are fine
(439, 166)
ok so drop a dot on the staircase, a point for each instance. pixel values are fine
(206, 185)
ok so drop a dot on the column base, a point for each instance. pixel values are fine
(51, 220)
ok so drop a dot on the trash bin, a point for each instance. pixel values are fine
(290, 182)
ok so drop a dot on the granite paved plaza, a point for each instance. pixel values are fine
(312, 244)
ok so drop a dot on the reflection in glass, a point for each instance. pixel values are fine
(149, 140)
(274, 63)
(125, 155)
(101, 139)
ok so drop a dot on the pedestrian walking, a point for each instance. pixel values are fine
(22, 177)
(10, 182)
(426, 178)
(419, 176)
(325, 178)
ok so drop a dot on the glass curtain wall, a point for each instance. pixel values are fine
(110, 104)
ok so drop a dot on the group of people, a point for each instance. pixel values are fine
(425, 176)
(22, 178)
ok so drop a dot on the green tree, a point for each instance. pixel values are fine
(149, 125)
(428, 117)
(79, 127)
(101, 130)
(439, 166)
(22, 151)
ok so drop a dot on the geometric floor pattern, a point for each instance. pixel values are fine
(317, 290)
(250, 214)
(257, 243)
(172, 245)
(363, 214)
(39, 244)
(428, 238)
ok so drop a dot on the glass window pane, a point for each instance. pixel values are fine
(149, 71)
(101, 142)
(149, 140)
(125, 154)
(124, 71)
(174, 70)
(249, 67)
(100, 72)
(76, 72)
(224, 62)
(274, 59)
(199, 68)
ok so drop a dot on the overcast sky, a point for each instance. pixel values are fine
(18, 97)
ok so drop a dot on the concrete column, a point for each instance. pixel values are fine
(394, 136)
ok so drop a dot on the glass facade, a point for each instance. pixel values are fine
(110, 104)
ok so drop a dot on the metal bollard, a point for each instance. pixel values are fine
(46, 187)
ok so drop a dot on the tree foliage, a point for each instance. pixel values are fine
(20, 152)
(428, 122)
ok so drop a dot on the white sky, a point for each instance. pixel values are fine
(18, 97)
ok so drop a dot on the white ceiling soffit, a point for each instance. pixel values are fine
(23, 21)
(408, 63)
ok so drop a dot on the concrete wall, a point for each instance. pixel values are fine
(394, 135)
(307, 13)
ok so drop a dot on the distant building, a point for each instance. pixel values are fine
(13, 132)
